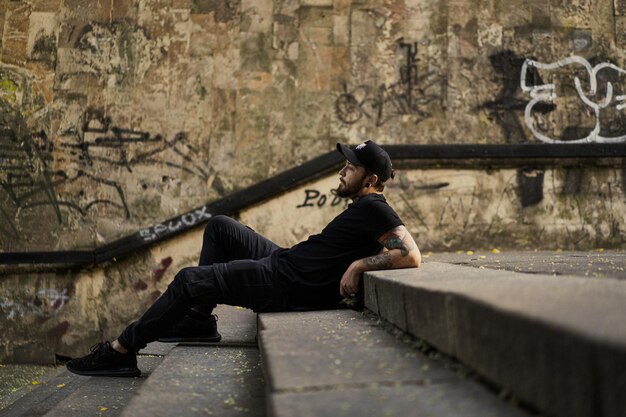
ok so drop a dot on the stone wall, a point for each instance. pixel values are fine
(115, 115)
(45, 314)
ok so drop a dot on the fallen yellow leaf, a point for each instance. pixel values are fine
(103, 408)
(35, 382)
(495, 250)
(470, 252)
(600, 250)
(60, 385)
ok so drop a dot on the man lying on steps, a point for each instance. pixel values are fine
(240, 267)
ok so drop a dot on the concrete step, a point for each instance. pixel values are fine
(342, 363)
(97, 395)
(593, 264)
(45, 396)
(220, 379)
(201, 381)
(558, 343)
(192, 380)
(68, 394)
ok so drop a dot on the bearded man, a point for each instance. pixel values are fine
(242, 268)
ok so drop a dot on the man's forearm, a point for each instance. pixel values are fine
(400, 251)
(392, 259)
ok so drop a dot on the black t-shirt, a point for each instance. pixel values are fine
(312, 269)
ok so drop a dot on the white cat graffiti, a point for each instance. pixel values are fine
(547, 92)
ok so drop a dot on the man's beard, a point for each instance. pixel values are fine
(349, 191)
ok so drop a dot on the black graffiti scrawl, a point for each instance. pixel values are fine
(90, 155)
(507, 109)
(411, 95)
(99, 141)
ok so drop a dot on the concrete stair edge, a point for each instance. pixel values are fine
(343, 363)
(558, 343)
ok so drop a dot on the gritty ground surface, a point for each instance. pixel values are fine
(18, 380)
(596, 263)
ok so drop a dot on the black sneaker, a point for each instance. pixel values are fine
(192, 329)
(105, 361)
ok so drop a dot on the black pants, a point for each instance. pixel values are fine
(234, 269)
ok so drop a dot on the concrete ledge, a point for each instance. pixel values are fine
(340, 363)
(556, 342)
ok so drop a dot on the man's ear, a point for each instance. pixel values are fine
(371, 180)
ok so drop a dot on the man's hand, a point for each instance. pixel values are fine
(349, 284)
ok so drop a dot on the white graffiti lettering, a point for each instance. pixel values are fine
(547, 92)
(56, 299)
(188, 219)
(45, 303)
(202, 213)
(11, 309)
(147, 235)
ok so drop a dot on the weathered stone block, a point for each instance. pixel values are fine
(87, 10)
(255, 52)
(15, 35)
(46, 5)
(317, 3)
(314, 65)
(620, 31)
(321, 17)
(341, 30)
(223, 11)
(181, 4)
(256, 16)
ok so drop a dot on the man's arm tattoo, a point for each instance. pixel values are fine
(382, 261)
(396, 241)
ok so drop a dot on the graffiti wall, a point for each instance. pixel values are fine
(115, 116)
(447, 210)
(49, 316)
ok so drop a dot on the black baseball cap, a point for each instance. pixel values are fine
(369, 155)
